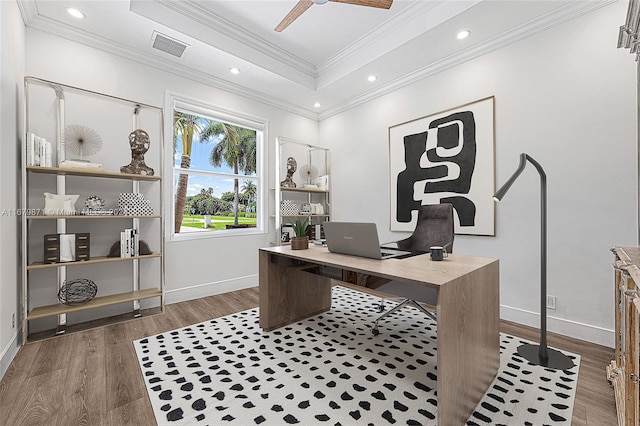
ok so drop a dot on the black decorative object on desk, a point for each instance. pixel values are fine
(77, 291)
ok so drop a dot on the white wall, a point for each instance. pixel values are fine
(192, 268)
(567, 98)
(12, 48)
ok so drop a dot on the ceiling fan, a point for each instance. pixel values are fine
(303, 5)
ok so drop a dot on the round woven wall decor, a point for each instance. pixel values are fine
(77, 291)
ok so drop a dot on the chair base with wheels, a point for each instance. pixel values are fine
(434, 227)
(402, 304)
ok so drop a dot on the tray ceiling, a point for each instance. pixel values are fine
(325, 56)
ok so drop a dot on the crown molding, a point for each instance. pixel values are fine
(573, 10)
(67, 32)
(570, 11)
(223, 26)
(28, 10)
(410, 23)
(190, 18)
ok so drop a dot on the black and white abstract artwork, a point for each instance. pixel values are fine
(447, 157)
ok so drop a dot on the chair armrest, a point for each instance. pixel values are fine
(405, 244)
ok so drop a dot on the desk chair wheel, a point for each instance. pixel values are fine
(375, 331)
(381, 307)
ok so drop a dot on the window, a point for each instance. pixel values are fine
(217, 172)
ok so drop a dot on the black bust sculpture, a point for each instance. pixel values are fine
(139, 143)
(292, 165)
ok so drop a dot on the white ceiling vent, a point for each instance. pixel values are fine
(167, 44)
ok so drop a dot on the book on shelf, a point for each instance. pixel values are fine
(129, 243)
(38, 151)
(81, 165)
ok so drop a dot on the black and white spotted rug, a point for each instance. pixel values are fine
(330, 369)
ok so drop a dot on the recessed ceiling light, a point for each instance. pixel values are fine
(317, 105)
(372, 78)
(75, 13)
(234, 71)
(463, 34)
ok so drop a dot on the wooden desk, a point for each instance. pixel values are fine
(468, 310)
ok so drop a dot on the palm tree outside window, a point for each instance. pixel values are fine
(217, 183)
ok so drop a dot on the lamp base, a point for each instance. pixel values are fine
(555, 359)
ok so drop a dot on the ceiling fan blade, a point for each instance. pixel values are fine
(382, 4)
(297, 10)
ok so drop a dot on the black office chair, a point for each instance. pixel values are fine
(434, 228)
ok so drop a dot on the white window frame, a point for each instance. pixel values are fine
(197, 107)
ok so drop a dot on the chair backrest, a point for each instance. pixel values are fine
(433, 228)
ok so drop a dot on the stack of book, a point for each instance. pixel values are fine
(81, 164)
(129, 243)
(38, 151)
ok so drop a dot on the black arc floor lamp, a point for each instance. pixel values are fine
(538, 354)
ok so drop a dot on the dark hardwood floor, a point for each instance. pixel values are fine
(92, 377)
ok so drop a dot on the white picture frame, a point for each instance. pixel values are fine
(445, 157)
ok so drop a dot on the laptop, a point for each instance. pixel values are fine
(358, 239)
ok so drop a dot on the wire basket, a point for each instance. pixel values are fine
(77, 291)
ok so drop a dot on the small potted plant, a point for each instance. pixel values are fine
(300, 241)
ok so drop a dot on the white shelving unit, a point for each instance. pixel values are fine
(313, 163)
(125, 282)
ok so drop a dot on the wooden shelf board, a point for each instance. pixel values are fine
(92, 216)
(322, 191)
(304, 215)
(114, 299)
(99, 259)
(85, 172)
(99, 322)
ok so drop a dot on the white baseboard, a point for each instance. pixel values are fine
(9, 353)
(588, 332)
(210, 289)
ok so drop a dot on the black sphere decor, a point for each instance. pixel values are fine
(77, 291)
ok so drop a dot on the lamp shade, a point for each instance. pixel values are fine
(505, 187)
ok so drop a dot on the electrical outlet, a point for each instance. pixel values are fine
(13, 320)
(551, 302)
